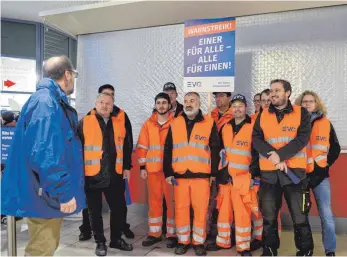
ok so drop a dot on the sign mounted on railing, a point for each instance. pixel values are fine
(209, 55)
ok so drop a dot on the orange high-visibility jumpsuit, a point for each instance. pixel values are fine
(193, 156)
(236, 196)
(149, 150)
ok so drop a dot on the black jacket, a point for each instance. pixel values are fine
(286, 152)
(223, 175)
(179, 109)
(319, 173)
(214, 144)
(109, 155)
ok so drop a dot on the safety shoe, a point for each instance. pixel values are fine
(121, 245)
(129, 234)
(151, 240)
(267, 251)
(200, 250)
(84, 236)
(304, 253)
(330, 254)
(101, 249)
(213, 247)
(245, 253)
(255, 245)
(181, 249)
(171, 242)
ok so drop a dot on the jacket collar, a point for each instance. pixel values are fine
(246, 120)
(287, 109)
(215, 112)
(198, 118)
(52, 86)
(316, 116)
(114, 112)
(154, 118)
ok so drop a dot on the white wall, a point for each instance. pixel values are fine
(308, 48)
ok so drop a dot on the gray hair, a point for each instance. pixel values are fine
(56, 66)
(194, 93)
(104, 94)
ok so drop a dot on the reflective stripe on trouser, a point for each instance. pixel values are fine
(225, 217)
(256, 217)
(279, 221)
(157, 188)
(193, 192)
(232, 201)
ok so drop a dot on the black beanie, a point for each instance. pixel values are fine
(162, 95)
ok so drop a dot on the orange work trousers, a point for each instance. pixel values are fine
(229, 203)
(195, 192)
(257, 218)
(157, 188)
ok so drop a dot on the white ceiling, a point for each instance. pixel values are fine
(120, 15)
(29, 10)
(84, 17)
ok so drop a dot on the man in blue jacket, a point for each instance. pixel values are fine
(44, 179)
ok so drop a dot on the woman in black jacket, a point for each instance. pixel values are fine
(323, 150)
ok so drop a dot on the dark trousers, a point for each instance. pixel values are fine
(114, 195)
(270, 202)
(85, 228)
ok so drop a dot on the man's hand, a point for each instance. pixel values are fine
(282, 166)
(223, 162)
(168, 180)
(126, 174)
(143, 174)
(68, 207)
(212, 179)
(251, 184)
(274, 158)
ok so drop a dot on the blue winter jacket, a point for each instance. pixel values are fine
(45, 164)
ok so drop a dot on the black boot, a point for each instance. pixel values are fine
(129, 234)
(121, 245)
(84, 236)
(181, 249)
(213, 247)
(304, 253)
(268, 251)
(101, 249)
(171, 242)
(255, 245)
(200, 250)
(245, 253)
(151, 240)
(330, 254)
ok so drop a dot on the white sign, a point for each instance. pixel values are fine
(18, 74)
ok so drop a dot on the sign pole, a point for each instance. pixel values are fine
(11, 236)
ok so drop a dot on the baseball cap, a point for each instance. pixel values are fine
(240, 98)
(169, 86)
(227, 93)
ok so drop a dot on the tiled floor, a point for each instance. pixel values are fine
(70, 246)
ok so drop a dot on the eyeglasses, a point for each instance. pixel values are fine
(256, 101)
(75, 72)
(308, 102)
(266, 101)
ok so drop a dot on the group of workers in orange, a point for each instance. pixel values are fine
(250, 160)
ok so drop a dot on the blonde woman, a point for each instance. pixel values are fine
(323, 150)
